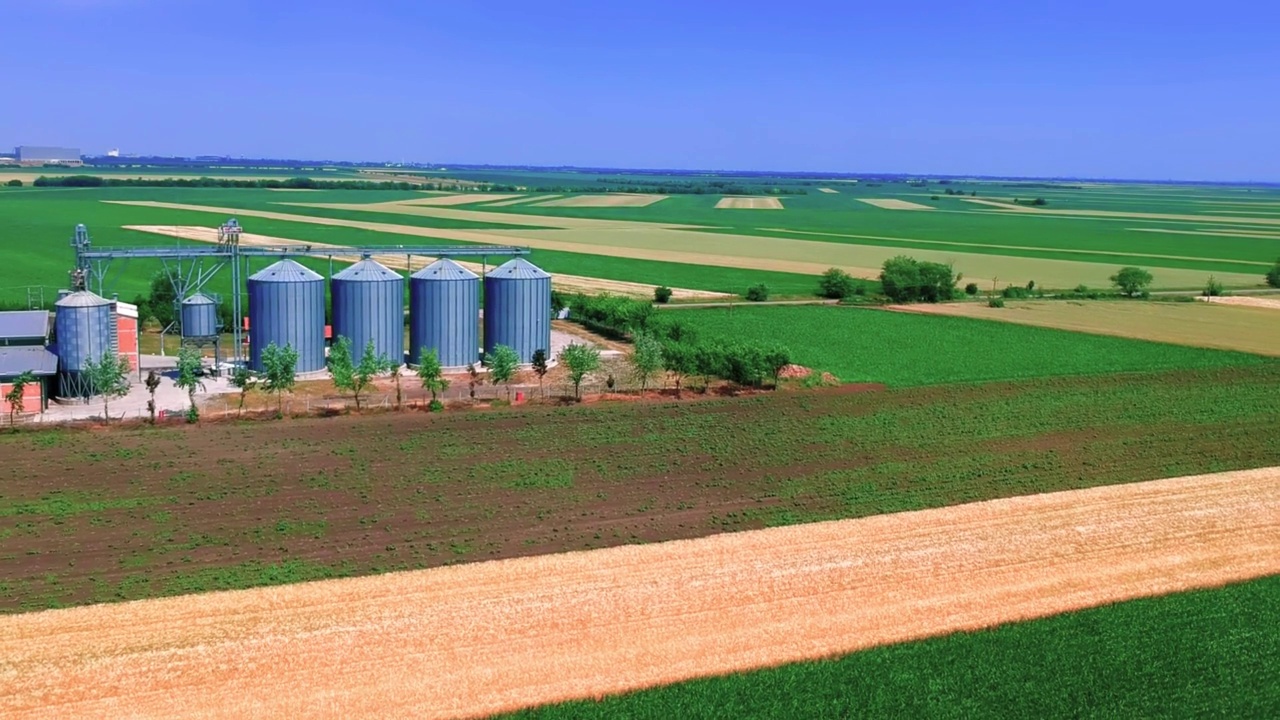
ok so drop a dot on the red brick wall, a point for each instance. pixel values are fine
(127, 336)
(30, 397)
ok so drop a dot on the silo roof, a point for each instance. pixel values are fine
(82, 298)
(444, 269)
(285, 271)
(368, 270)
(518, 268)
(199, 299)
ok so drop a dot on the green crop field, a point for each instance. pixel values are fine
(1209, 653)
(901, 349)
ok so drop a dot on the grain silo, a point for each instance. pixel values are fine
(286, 307)
(368, 304)
(199, 317)
(82, 323)
(444, 313)
(517, 309)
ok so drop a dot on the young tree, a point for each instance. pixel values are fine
(429, 372)
(397, 370)
(16, 392)
(190, 366)
(243, 380)
(279, 372)
(775, 359)
(540, 368)
(1131, 280)
(710, 362)
(678, 359)
(473, 380)
(646, 359)
(580, 360)
(355, 378)
(1273, 275)
(758, 292)
(153, 383)
(837, 284)
(502, 364)
(109, 377)
(662, 294)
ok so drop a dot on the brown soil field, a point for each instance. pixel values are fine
(568, 283)
(521, 200)
(893, 204)
(462, 199)
(749, 203)
(602, 201)
(1245, 326)
(473, 640)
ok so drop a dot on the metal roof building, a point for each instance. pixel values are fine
(39, 153)
(24, 327)
(36, 360)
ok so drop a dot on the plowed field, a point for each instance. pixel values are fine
(477, 639)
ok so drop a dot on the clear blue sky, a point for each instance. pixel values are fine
(1168, 90)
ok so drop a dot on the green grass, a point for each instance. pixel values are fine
(902, 349)
(1209, 653)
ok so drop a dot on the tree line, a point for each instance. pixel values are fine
(298, 183)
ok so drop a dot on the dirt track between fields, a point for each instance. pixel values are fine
(475, 639)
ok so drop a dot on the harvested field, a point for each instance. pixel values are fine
(568, 283)
(749, 203)
(829, 191)
(463, 199)
(602, 201)
(1123, 215)
(1217, 232)
(483, 638)
(894, 204)
(1231, 323)
(521, 200)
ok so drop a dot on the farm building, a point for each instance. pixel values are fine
(23, 339)
(38, 155)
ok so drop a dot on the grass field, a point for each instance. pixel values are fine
(1198, 324)
(901, 349)
(232, 505)
(1196, 654)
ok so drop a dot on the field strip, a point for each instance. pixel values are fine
(1243, 327)
(498, 218)
(521, 200)
(1234, 232)
(669, 243)
(1267, 303)
(604, 201)
(1248, 203)
(569, 283)
(480, 638)
(749, 203)
(1121, 214)
(462, 199)
(894, 204)
(1250, 212)
(1065, 251)
(829, 191)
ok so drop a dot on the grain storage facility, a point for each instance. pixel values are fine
(82, 322)
(517, 308)
(199, 317)
(368, 304)
(444, 313)
(286, 307)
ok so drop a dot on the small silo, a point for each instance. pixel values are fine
(368, 304)
(444, 313)
(82, 322)
(517, 308)
(199, 317)
(286, 307)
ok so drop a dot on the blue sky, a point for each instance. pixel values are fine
(1118, 89)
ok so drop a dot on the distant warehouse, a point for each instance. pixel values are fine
(39, 155)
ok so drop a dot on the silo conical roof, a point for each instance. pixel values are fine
(518, 268)
(444, 269)
(199, 299)
(82, 298)
(368, 270)
(285, 271)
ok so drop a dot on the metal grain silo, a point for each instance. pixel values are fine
(286, 307)
(368, 304)
(444, 313)
(517, 308)
(82, 322)
(199, 317)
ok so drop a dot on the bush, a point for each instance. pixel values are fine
(1015, 292)
(14, 183)
(1213, 288)
(435, 406)
(837, 284)
(662, 294)
(906, 279)
(758, 293)
(971, 289)
(1273, 275)
(995, 302)
(1132, 281)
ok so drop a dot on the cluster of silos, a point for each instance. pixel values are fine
(368, 306)
(517, 309)
(286, 307)
(85, 328)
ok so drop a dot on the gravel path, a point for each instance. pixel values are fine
(474, 639)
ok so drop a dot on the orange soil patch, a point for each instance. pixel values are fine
(1270, 303)
(894, 204)
(610, 200)
(749, 203)
(480, 638)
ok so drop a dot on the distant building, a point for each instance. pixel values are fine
(38, 155)
(113, 152)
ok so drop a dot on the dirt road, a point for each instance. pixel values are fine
(474, 639)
